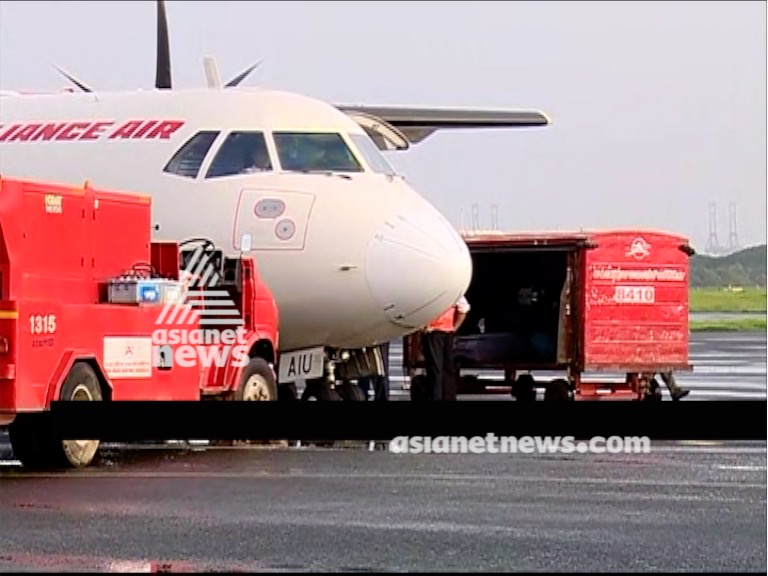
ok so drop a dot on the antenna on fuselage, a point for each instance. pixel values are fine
(243, 75)
(72, 79)
(213, 77)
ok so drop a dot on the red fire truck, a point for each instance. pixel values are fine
(563, 305)
(91, 309)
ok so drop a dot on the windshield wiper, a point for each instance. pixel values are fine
(325, 172)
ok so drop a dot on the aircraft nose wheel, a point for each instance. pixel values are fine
(351, 392)
(320, 390)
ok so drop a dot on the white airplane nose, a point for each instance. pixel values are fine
(417, 266)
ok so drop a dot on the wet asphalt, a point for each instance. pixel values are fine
(682, 507)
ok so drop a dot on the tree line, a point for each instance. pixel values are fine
(746, 268)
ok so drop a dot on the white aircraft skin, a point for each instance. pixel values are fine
(353, 259)
(370, 259)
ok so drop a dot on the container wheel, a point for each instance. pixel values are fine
(257, 383)
(557, 391)
(351, 392)
(81, 385)
(523, 389)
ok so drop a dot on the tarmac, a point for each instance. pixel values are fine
(681, 507)
(685, 506)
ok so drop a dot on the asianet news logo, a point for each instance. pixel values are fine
(492, 444)
(215, 337)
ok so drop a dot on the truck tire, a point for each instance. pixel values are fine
(257, 382)
(81, 384)
(351, 392)
(30, 440)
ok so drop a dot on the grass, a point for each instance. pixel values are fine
(723, 300)
(734, 325)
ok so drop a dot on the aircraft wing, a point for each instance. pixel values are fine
(396, 128)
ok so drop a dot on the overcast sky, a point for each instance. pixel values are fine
(658, 108)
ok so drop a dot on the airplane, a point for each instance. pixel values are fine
(353, 254)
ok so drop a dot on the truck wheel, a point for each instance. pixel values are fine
(557, 391)
(81, 385)
(29, 440)
(257, 383)
(351, 392)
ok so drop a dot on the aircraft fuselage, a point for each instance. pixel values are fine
(354, 256)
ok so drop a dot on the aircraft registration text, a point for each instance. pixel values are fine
(301, 365)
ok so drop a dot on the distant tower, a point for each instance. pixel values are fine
(494, 217)
(733, 234)
(713, 245)
(475, 217)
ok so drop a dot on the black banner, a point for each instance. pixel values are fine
(137, 421)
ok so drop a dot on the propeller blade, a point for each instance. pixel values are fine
(163, 69)
(243, 75)
(74, 80)
(212, 73)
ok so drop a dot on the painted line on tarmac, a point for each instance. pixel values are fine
(742, 468)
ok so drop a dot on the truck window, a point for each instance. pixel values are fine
(241, 153)
(187, 160)
(315, 152)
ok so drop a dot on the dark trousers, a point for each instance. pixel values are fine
(437, 348)
(380, 383)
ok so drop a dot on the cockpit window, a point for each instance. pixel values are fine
(315, 152)
(241, 153)
(187, 161)
(372, 155)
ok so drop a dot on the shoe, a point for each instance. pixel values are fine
(681, 393)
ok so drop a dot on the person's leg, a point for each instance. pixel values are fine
(675, 390)
(365, 385)
(381, 384)
(450, 377)
(432, 346)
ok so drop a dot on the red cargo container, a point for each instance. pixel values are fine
(575, 303)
